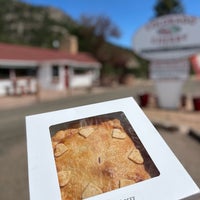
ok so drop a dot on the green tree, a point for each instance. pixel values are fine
(165, 7)
(93, 32)
(101, 25)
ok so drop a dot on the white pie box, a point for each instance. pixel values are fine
(172, 182)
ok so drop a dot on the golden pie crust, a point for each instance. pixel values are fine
(97, 158)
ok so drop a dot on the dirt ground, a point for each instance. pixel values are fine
(185, 117)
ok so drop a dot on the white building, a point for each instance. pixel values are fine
(23, 69)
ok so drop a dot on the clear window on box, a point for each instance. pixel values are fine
(99, 154)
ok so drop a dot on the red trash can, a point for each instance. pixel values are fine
(144, 99)
(196, 103)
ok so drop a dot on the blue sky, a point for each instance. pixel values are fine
(127, 15)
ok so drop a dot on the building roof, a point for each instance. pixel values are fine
(13, 52)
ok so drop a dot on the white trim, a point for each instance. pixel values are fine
(30, 63)
(72, 63)
(15, 63)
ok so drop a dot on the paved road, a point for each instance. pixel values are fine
(13, 156)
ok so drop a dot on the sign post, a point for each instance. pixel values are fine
(169, 77)
(168, 42)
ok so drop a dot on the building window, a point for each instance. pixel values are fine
(24, 72)
(81, 71)
(19, 72)
(55, 73)
(4, 73)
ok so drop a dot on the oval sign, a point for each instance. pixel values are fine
(168, 37)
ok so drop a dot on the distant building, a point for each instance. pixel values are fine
(23, 69)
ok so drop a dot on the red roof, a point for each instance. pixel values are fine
(27, 53)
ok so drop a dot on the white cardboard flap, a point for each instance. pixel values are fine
(171, 181)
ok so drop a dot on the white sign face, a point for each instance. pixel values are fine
(169, 69)
(168, 37)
